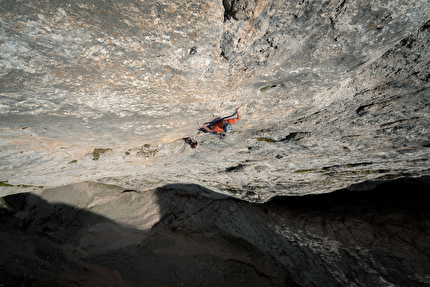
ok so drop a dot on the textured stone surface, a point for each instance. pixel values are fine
(185, 234)
(334, 96)
(91, 235)
(341, 87)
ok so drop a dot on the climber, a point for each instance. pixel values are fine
(223, 125)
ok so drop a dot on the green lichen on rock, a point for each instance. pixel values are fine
(146, 151)
(263, 139)
(4, 183)
(98, 151)
(305, 170)
(266, 88)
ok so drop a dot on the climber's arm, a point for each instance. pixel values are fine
(205, 127)
(236, 115)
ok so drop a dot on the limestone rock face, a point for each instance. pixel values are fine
(334, 95)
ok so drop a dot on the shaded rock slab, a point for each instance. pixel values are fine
(88, 233)
(91, 234)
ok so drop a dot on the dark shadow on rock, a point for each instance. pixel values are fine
(376, 237)
(210, 124)
(53, 244)
(380, 235)
(346, 238)
(41, 244)
(216, 120)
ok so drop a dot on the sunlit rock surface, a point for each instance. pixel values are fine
(333, 93)
(334, 96)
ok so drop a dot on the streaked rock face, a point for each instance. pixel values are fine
(334, 95)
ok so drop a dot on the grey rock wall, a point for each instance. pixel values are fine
(333, 93)
(334, 96)
(92, 68)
